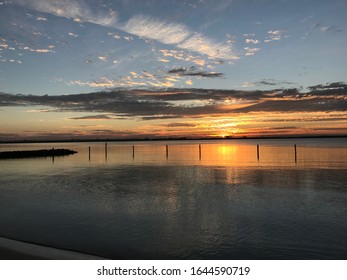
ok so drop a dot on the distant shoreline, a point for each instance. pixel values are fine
(170, 139)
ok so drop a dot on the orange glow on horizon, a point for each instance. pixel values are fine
(40, 122)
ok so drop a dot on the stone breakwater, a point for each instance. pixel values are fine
(36, 153)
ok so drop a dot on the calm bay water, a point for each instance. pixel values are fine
(222, 203)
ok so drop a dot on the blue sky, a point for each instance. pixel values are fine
(165, 68)
(56, 47)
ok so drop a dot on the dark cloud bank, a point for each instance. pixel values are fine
(176, 103)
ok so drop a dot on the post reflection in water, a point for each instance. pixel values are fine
(210, 200)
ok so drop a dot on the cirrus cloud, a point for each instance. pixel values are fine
(167, 33)
(75, 10)
(171, 33)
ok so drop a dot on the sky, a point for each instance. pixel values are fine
(85, 69)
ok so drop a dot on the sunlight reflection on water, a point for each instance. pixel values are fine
(225, 204)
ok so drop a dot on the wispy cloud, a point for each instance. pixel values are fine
(114, 35)
(249, 35)
(93, 117)
(49, 50)
(252, 41)
(251, 51)
(272, 82)
(192, 71)
(247, 84)
(72, 34)
(326, 28)
(178, 35)
(167, 33)
(102, 58)
(199, 43)
(160, 59)
(181, 55)
(163, 31)
(268, 83)
(144, 80)
(40, 18)
(275, 35)
(181, 125)
(78, 11)
(329, 86)
(104, 82)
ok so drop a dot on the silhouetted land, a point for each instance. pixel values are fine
(36, 153)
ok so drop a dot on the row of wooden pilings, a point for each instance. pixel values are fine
(295, 154)
(167, 152)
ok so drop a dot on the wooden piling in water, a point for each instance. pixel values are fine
(133, 151)
(89, 153)
(105, 150)
(295, 158)
(258, 152)
(167, 151)
(199, 152)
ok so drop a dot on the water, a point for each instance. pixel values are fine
(222, 203)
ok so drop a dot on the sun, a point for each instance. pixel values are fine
(228, 133)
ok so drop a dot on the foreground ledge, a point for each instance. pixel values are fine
(18, 250)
